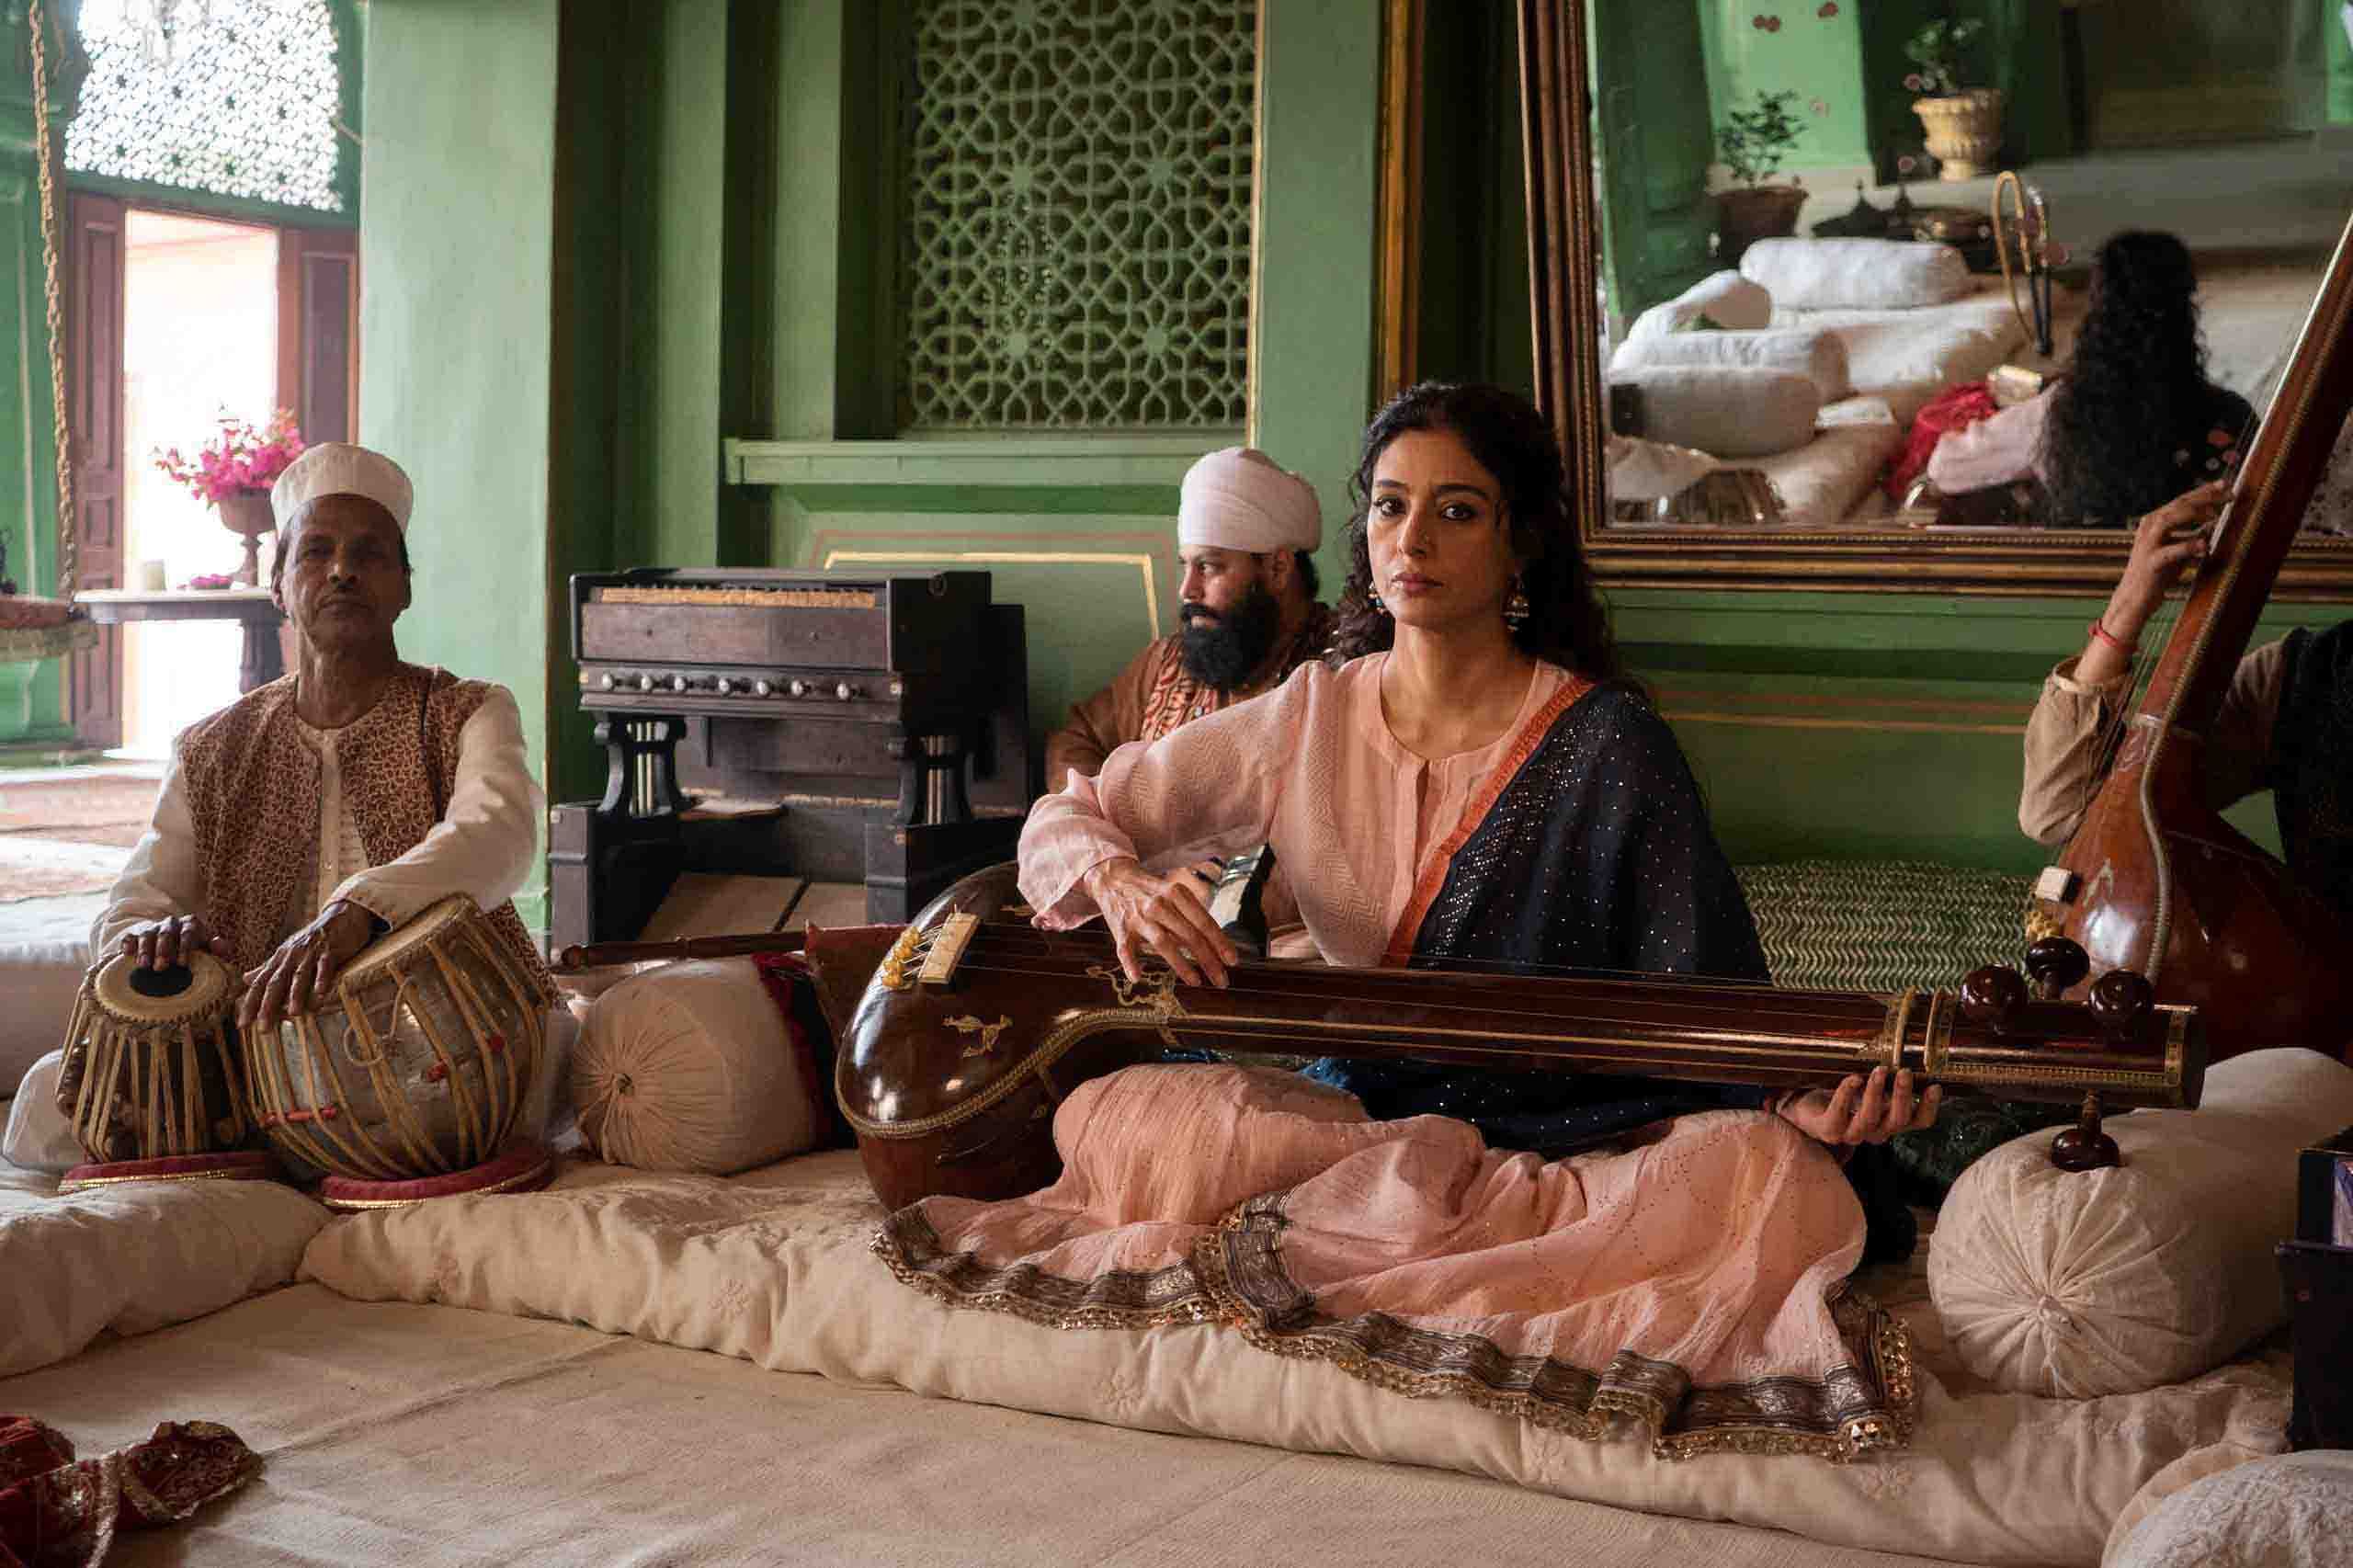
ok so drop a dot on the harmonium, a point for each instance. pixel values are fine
(840, 727)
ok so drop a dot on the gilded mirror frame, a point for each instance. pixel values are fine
(1564, 246)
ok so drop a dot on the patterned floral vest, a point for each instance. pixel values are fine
(253, 787)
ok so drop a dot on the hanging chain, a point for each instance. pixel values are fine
(68, 529)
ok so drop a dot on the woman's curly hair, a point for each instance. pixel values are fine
(1566, 624)
(2135, 392)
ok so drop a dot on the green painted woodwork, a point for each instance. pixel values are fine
(1818, 58)
(1861, 726)
(1318, 138)
(32, 694)
(1656, 144)
(2336, 62)
(457, 248)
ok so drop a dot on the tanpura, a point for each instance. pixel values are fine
(2154, 881)
(974, 1026)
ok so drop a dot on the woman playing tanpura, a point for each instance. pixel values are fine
(1473, 783)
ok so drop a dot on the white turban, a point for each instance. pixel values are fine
(338, 467)
(1238, 499)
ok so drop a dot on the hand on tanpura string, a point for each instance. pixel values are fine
(2164, 543)
(1861, 1111)
(304, 965)
(1168, 915)
(161, 944)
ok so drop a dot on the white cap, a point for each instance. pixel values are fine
(1240, 499)
(338, 467)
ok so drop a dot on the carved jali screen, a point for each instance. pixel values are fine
(241, 99)
(1075, 224)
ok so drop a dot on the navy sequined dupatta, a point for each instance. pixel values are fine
(1597, 854)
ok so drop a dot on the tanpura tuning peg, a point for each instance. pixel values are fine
(2056, 963)
(1990, 995)
(2120, 1001)
(2087, 1145)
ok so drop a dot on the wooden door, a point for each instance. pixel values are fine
(318, 331)
(94, 305)
(1654, 144)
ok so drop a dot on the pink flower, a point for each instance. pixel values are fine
(239, 459)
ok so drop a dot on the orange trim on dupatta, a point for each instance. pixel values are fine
(1434, 869)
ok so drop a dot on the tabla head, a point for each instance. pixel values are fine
(149, 1076)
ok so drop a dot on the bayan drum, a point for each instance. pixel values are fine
(407, 1080)
(150, 1080)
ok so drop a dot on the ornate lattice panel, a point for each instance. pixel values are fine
(1076, 213)
(242, 100)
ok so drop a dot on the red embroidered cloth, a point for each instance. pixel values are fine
(56, 1512)
(1951, 410)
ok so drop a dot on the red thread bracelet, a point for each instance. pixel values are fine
(2105, 635)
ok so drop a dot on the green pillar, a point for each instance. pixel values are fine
(32, 694)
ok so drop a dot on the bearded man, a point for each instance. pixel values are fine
(1246, 530)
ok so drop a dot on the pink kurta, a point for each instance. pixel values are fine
(1312, 768)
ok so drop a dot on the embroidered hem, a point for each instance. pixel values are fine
(1235, 1277)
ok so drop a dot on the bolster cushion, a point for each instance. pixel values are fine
(2285, 1511)
(2076, 1285)
(692, 1067)
(1727, 300)
(1829, 275)
(1730, 411)
(1815, 353)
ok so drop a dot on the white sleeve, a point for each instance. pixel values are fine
(162, 878)
(485, 842)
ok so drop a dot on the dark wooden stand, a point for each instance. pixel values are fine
(2319, 1282)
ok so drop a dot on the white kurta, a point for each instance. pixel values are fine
(483, 846)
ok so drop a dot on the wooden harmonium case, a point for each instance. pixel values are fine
(841, 726)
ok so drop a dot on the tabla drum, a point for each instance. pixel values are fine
(406, 1081)
(149, 1081)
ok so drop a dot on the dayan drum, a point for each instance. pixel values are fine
(150, 1080)
(407, 1079)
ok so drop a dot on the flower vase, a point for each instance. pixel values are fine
(246, 512)
(1964, 131)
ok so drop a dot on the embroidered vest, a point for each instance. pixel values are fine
(253, 789)
(2311, 763)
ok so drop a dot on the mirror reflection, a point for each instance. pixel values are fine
(1923, 269)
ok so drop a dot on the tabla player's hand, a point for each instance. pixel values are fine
(305, 966)
(1862, 1111)
(1168, 915)
(161, 944)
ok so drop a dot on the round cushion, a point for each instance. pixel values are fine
(692, 1067)
(1817, 352)
(2079, 1284)
(1855, 275)
(2291, 1511)
(1727, 410)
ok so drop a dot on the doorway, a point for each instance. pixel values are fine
(199, 339)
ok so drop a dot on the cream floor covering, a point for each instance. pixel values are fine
(423, 1434)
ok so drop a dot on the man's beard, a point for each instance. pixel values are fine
(1222, 651)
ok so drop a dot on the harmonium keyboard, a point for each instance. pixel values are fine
(827, 726)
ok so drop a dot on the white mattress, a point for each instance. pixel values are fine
(423, 1434)
(1909, 356)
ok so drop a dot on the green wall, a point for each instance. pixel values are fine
(2336, 53)
(457, 246)
(1817, 57)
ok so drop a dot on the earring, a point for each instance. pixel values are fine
(1374, 600)
(1516, 607)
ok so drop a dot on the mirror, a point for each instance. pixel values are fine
(1855, 381)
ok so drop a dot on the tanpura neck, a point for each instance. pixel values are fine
(334, 686)
(1443, 694)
